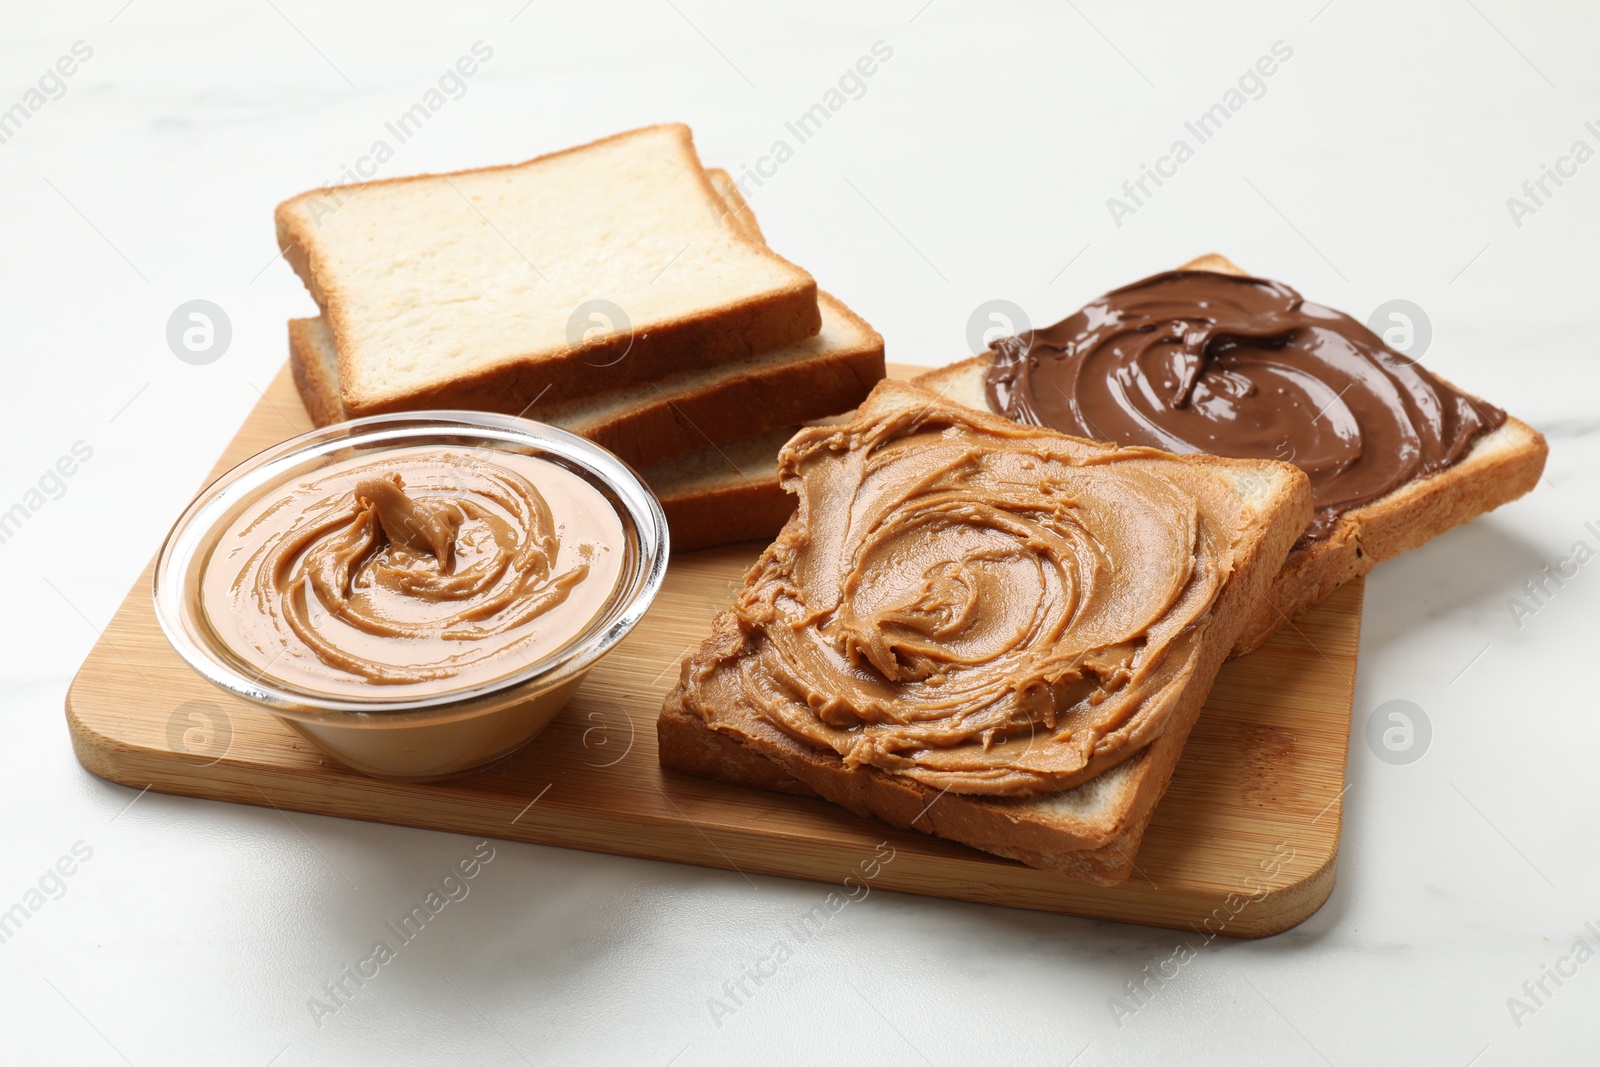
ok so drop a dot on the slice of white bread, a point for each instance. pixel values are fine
(1090, 832)
(460, 290)
(1501, 466)
(656, 421)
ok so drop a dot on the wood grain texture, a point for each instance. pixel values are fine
(1244, 844)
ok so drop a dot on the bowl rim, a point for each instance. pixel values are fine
(639, 509)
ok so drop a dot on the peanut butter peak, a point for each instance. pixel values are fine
(421, 527)
(988, 611)
(428, 568)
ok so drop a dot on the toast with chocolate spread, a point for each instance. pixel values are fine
(1383, 482)
(994, 633)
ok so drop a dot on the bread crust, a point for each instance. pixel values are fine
(1501, 466)
(723, 495)
(687, 746)
(751, 509)
(709, 337)
(735, 208)
(319, 391)
(1098, 846)
(719, 335)
(744, 404)
(675, 419)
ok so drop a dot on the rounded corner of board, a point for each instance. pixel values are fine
(1286, 906)
(100, 754)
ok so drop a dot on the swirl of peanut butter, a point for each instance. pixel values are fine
(1200, 361)
(431, 569)
(996, 612)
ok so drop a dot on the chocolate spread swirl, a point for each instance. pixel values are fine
(433, 569)
(1199, 361)
(993, 611)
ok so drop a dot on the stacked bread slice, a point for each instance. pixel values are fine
(617, 290)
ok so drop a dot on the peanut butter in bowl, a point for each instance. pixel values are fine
(423, 571)
(418, 595)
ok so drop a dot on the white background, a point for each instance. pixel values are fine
(976, 165)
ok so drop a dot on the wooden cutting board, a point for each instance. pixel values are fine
(1243, 845)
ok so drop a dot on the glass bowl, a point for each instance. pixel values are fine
(440, 734)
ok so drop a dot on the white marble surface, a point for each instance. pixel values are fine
(977, 164)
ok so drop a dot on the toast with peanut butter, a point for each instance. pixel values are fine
(991, 632)
(1209, 359)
